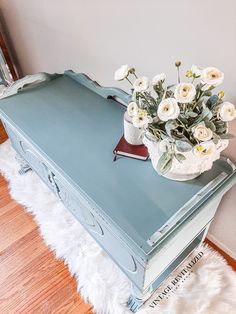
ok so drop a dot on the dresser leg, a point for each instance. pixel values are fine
(138, 297)
(24, 166)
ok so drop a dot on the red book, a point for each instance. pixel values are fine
(123, 148)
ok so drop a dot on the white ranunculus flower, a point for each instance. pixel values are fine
(141, 84)
(121, 73)
(205, 149)
(158, 78)
(212, 76)
(141, 119)
(185, 92)
(227, 111)
(202, 133)
(168, 109)
(132, 109)
(197, 71)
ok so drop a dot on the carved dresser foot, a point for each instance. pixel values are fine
(137, 298)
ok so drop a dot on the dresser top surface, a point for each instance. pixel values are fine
(77, 130)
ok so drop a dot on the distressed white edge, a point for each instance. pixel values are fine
(19, 84)
(179, 214)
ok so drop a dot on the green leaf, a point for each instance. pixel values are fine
(183, 146)
(207, 93)
(221, 123)
(210, 125)
(176, 135)
(221, 131)
(199, 87)
(182, 118)
(159, 90)
(221, 127)
(164, 163)
(170, 125)
(227, 136)
(180, 157)
(192, 114)
(169, 94)
(207, 113)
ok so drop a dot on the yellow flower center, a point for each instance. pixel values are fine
(185, 91)
(142, 113)
(213, 75)
(166, 108)
(200, 148)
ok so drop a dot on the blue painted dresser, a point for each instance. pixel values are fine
(65, 128)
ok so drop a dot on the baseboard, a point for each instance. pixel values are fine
(222, 246)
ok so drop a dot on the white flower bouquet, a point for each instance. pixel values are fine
(181, 118)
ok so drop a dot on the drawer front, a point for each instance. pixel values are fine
(26, 151)
(40, 166)
(98, 229)
(81, 208)
(78, 206)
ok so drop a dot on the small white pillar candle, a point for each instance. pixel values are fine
(131, 134)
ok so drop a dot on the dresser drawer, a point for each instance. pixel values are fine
(43, 169)
(78, 205)
(83, 210)
(27, 152)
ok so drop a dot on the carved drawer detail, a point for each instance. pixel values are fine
(36, 163)
(78, 206)
(27, 152)
(82, 210)
(15, 141)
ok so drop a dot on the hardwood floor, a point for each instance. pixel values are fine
(3, 134)
(31, 279)
(229, 259)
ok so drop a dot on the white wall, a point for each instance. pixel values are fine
(96, 37)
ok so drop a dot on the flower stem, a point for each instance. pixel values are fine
(129, 81)
(178, 75)
(164, 94)
(181, 123)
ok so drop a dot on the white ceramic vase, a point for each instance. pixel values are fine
(131, 134)
(189, 168)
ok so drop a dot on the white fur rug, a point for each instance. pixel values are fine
(210, 286)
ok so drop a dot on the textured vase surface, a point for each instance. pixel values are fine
(189, 168)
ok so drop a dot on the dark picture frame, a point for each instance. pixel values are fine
(7, 76)
(7, 70)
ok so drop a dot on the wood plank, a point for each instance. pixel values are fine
(228, 258)
(14, 224)
(3, 134)
(31, 279)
